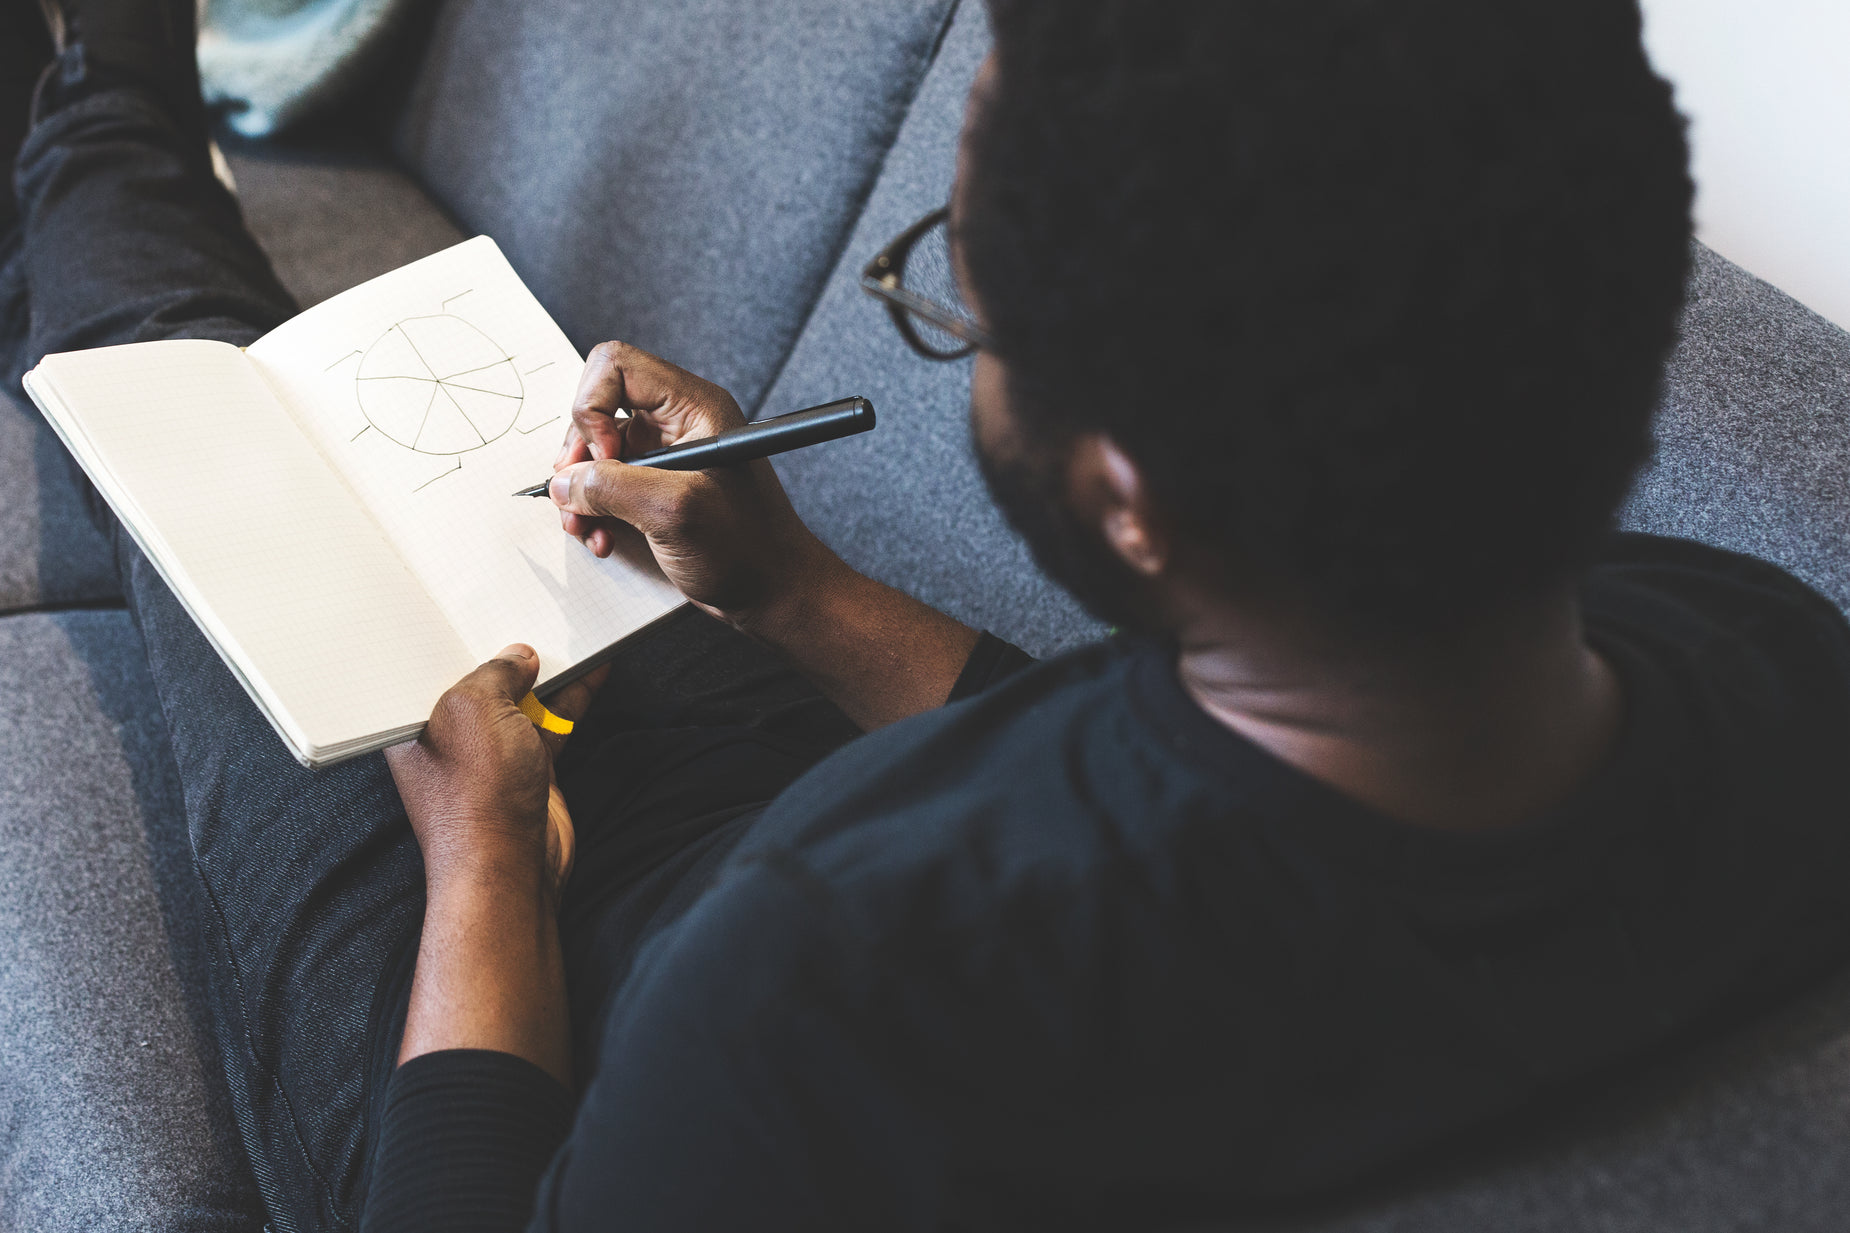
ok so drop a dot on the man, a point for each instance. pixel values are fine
(1316, 345)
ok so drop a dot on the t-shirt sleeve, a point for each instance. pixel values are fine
(733, 1090)
(991, 661)
(463, 1139)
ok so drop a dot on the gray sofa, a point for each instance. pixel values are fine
(704, 178)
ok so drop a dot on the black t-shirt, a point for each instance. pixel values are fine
(1071, 953)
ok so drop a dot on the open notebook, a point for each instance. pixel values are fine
(331, 505)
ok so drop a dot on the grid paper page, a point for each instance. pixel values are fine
(293, 582)
(436, 391)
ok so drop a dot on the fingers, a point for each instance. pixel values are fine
(667, 402)
(510, 674)
(573, 450)
(648, 499)
(661, 404)
(597, 534)
(503, 680)
(602, 393)
(561, 839)
(619, 377)
(575, 699)
(571, 702)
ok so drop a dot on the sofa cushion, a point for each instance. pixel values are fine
(332, 217)
(113, 1113)
(50, 554)
(680, 176)
(1753, 437)
(905, 503)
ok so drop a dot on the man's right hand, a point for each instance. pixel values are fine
(727, 538)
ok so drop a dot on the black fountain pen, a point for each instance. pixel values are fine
(777, 435)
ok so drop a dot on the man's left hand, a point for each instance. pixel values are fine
(476, 784)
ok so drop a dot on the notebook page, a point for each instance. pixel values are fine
(436, 391)
(293, 583)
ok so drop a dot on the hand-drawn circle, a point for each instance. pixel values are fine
(438, 385)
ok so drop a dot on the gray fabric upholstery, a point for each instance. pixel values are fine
(680, 176)
(1754, 433)
(331, 219)
(50, 555)
(905, 502)
(111, 1109)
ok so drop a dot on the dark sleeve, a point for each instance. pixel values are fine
(991, 660)
(732, 1091)
(463, 1139)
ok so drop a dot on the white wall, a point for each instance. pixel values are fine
(1766, 84)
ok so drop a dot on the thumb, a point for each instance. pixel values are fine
(510, 674)
(644, 497)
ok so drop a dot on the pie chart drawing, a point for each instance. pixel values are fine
(438, 385)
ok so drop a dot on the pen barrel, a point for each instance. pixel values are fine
(777, 435)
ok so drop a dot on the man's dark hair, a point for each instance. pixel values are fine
(1376, 292)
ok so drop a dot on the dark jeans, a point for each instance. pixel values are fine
(310, 881)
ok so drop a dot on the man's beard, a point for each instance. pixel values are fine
(1031, 495)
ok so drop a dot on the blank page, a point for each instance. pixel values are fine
(436, 391)
(297, 587)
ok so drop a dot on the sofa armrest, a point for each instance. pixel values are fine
(1753, 434)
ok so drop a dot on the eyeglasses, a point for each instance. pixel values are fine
(913, 276)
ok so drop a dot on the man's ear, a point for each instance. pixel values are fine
(1108, 491)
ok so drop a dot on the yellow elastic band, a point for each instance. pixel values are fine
(542, 718)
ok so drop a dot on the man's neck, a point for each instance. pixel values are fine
(1485, 731)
